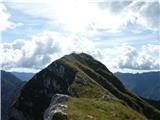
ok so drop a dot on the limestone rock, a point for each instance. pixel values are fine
(57, 107)
(81, 80)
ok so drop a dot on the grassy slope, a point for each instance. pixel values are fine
(103, 80)
(92, 109)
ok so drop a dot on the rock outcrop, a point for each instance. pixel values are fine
(57, 108)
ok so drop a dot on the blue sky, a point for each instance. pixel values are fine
(123, 34)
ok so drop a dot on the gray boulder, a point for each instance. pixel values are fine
(56, 109)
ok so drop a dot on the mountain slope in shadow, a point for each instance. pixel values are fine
(10, 86)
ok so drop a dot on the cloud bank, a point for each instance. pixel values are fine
(48, 46)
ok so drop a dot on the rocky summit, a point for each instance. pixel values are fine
(78, 87)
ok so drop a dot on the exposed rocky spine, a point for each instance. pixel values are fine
(57, 108)
(37, 93)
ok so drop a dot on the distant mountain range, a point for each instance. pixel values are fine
(77, 86)
(10, 87)
(146, 84)
(23, 75)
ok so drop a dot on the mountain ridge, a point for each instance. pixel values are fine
(79, 76)
(25, 76)
(145, 84)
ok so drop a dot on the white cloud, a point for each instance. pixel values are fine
(41, 50)
(4, 20)
(127, 57)
(48, 46)
(89, 15)
(5, 23)
(147, 13)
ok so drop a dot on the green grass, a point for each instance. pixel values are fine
(85, 91)
(92, 109)
(98, 77)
